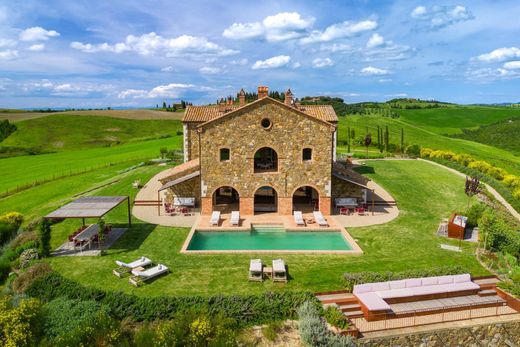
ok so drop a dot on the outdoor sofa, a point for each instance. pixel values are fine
(141, 276)
(127, 267)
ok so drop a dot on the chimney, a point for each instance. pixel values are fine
(288, 97)
(241, 97)
(262, 92)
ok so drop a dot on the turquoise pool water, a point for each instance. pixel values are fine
(268, 239)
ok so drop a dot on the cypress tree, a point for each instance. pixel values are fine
(386, 138)
(402, 140)
(348, 139)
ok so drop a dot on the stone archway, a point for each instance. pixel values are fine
(306, 199)
(265, 200)
(265, 160)
(225, 199)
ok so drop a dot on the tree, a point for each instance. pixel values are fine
(164, 104)
(368, 141)
(402, 140)
(44, 236)
(101, 232)
(163, 151)
(348, 140)
(472, 187)
(183, 104)
(352, 134)
(386, 138)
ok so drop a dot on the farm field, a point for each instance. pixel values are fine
(20, 115)
(429, 127)
(67, 132)
(421, 205)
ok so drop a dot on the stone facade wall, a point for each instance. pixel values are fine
(498, 334)
(344, 189)
(193, 141)
(186, 189)
(243, 134)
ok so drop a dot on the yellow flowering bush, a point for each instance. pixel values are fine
(516, 193)
(512, 181)
(165, 334)
(200, 330)
(13, 219)
(18, 323)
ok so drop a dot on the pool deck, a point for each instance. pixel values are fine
(202, 224)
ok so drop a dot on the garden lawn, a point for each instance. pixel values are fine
(425, 194)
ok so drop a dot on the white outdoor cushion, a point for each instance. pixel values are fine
(397, 284)
(413, 282)
(362, 288)
(429, 281)
(373, 302)
(278, 265)
(255, 265)
(379, 286)
(445, 279)
(461, 278)
(395, 293)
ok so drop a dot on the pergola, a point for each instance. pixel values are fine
(90, 207)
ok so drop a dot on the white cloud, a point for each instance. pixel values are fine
(152, 44)
(490, 74)
(512, 65)
(172, 90)
(438, 17)
(239, 61)
(8, 54)
(37, 47)
(500, 54)
(279, 27)
(208, 70)
(337, 47)
(66, 89)
(168, 69)
(7, 43)
(385, 80)
(388, 51)
(37, 34)
(375, 40)
(340, 30)
(271, 63)
(374, 71)
(296, 65)
(397, 95)
(319, 63)
(239, 31)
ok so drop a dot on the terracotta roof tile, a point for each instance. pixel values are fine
(201, 114)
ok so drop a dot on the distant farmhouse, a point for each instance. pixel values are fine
(262, 156)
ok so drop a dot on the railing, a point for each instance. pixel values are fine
(415, 318)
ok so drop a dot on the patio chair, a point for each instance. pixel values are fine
(215, 218)
(279, 271)
(344, 211)
(322, 222)
(126, 268)
(256, 270)
(361, 211)
(298, 218)
(235, 218)
(139, 277)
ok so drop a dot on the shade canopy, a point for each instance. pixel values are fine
(179, 180)
(88, 207)
(346, 179)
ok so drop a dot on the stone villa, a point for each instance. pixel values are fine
(262, 156)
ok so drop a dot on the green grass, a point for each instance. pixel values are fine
(17, 171)
(503, 134)
(426, 127)
(66, 132)
(425, 193)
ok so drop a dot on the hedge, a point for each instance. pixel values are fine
(247, 310)
(353, 278)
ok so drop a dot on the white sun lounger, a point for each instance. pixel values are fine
(279, 272)
(215, 218)
(256, 272)
(298, 218)
(140, 276)
(235, 218)
(319, 219)
(126, 267)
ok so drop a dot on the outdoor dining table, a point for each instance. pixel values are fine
(86, 236)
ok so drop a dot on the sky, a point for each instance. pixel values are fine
(136, 53)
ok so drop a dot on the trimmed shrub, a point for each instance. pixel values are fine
(512, 181)
(463, 159)
(22, 282)
(5, 268)
(413, 151)
(353, 278)
(314, 331)
(247, 309)
(44, 237)
(516, 193)
(335, 317)
(14, 219)
(474, 213)
(425, 152)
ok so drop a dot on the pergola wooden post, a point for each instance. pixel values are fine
(373, 192)
(129, 213)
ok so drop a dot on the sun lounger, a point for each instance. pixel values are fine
(256, 272)
(279, 272)
(125, 268)
(215, 218)
(235, 218)
(141, 276)
(319, 219)
(298, 218)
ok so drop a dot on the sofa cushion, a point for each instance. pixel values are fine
(461, 278)
(380, 286)
(444, 288)
(397, 284)
(362, 288)
(413, 282)
(372, 302)
(429, 281)
(395, 293)
(445, 279)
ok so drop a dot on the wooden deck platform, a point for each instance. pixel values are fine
(446, 303)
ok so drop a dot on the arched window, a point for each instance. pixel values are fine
(224, 154)
(307, 154)
(266, 160)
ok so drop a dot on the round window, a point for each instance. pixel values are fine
(266, 123)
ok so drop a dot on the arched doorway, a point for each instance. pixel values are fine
(306, 199)
(226, 199)
(266, 160)
(266, 200)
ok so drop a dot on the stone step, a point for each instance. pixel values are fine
(487, 292)
(353, 314)
(350, 307)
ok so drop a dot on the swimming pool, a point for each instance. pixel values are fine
(268, 239)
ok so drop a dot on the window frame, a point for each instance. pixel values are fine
(221, 151)
(311, 154)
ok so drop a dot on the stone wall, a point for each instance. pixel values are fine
(498, 334)
(243, 134)
(344, 189)
(186, 189)
(193, 141)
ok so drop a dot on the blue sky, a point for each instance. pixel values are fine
(138, 53)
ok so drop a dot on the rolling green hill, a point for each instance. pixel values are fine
(56, 133)
(503, 134)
